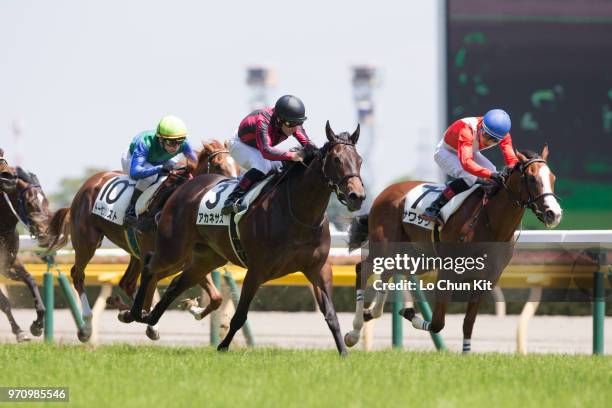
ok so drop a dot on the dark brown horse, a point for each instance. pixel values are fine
(285, 230)
(483, 217)
(21, 199)
(87, 230)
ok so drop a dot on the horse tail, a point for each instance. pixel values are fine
(59, 230)
(358, 232)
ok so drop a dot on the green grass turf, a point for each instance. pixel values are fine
(145, 376)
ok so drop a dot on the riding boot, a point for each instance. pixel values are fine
(130, 217)
(432, 213)
(233, 203)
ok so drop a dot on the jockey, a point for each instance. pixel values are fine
(459, 155)
(252, 146)
(154, 152)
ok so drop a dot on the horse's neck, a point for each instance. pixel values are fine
(8, 220)
(309, 195)
(504, 215)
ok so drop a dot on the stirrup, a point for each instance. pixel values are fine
(232, 208)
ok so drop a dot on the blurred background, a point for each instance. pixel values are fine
(80, 79)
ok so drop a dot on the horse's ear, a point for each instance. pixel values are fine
(545, 152)
(331, 136)
(226, 144)
(355, 135)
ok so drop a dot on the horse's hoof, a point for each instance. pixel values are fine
(351, 338)
(407, 313)
(152, 333)
(367, 315)
(222, 348)
(36, 328)
(22, 336)
(186, 304)
(143, 318)
(125, 316)
(83, 335)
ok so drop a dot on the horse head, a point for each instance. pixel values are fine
(215, 158)
(532, 183)
(8, 178)
(32, 205)
(341, 166)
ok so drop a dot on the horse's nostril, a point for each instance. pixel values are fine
(550, 215)
(352, 196)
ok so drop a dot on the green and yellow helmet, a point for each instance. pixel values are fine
(171, 127)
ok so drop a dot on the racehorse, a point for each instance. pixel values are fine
(21, 199)
(285, 230)
(492, 215)
(87, 229)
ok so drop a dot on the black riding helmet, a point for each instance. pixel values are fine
(291, 109)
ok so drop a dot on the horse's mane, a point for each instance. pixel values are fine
(530, 154)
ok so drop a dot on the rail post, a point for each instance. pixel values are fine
(599, 305)
(215, 318)
(49, 303)
(397, 328)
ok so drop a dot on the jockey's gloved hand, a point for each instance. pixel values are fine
(498, 177)
(299, 155)
(167, 168)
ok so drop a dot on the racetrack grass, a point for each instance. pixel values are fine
(149, 376)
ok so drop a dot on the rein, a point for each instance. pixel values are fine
(334, 186)
(15, 213)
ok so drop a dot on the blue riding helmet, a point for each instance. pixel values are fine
(496, 123)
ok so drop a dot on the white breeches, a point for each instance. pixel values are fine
(448, 161)
(142, 184)
(248, 157)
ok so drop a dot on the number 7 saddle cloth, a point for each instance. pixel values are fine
(421, 197)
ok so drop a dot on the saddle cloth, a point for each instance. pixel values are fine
(114, 197)
(209, 212)
(421, 197)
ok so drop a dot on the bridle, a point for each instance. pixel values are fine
(212, 155)
(531, 201)
(21, 213)
(335, 185)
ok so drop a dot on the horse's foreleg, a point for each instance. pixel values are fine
(18, 270)
(249, 288)
(202, 263)
(129, 279)
(5, 306)
(215, 299)
(321, 280)
(84, 251)
(437, 322)
(468, 324)
(148, 280)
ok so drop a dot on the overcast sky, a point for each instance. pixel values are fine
(82, 78)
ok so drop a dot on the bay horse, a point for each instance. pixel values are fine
(483, 218)
(87, 230)
(285, 230)
(21, 200)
